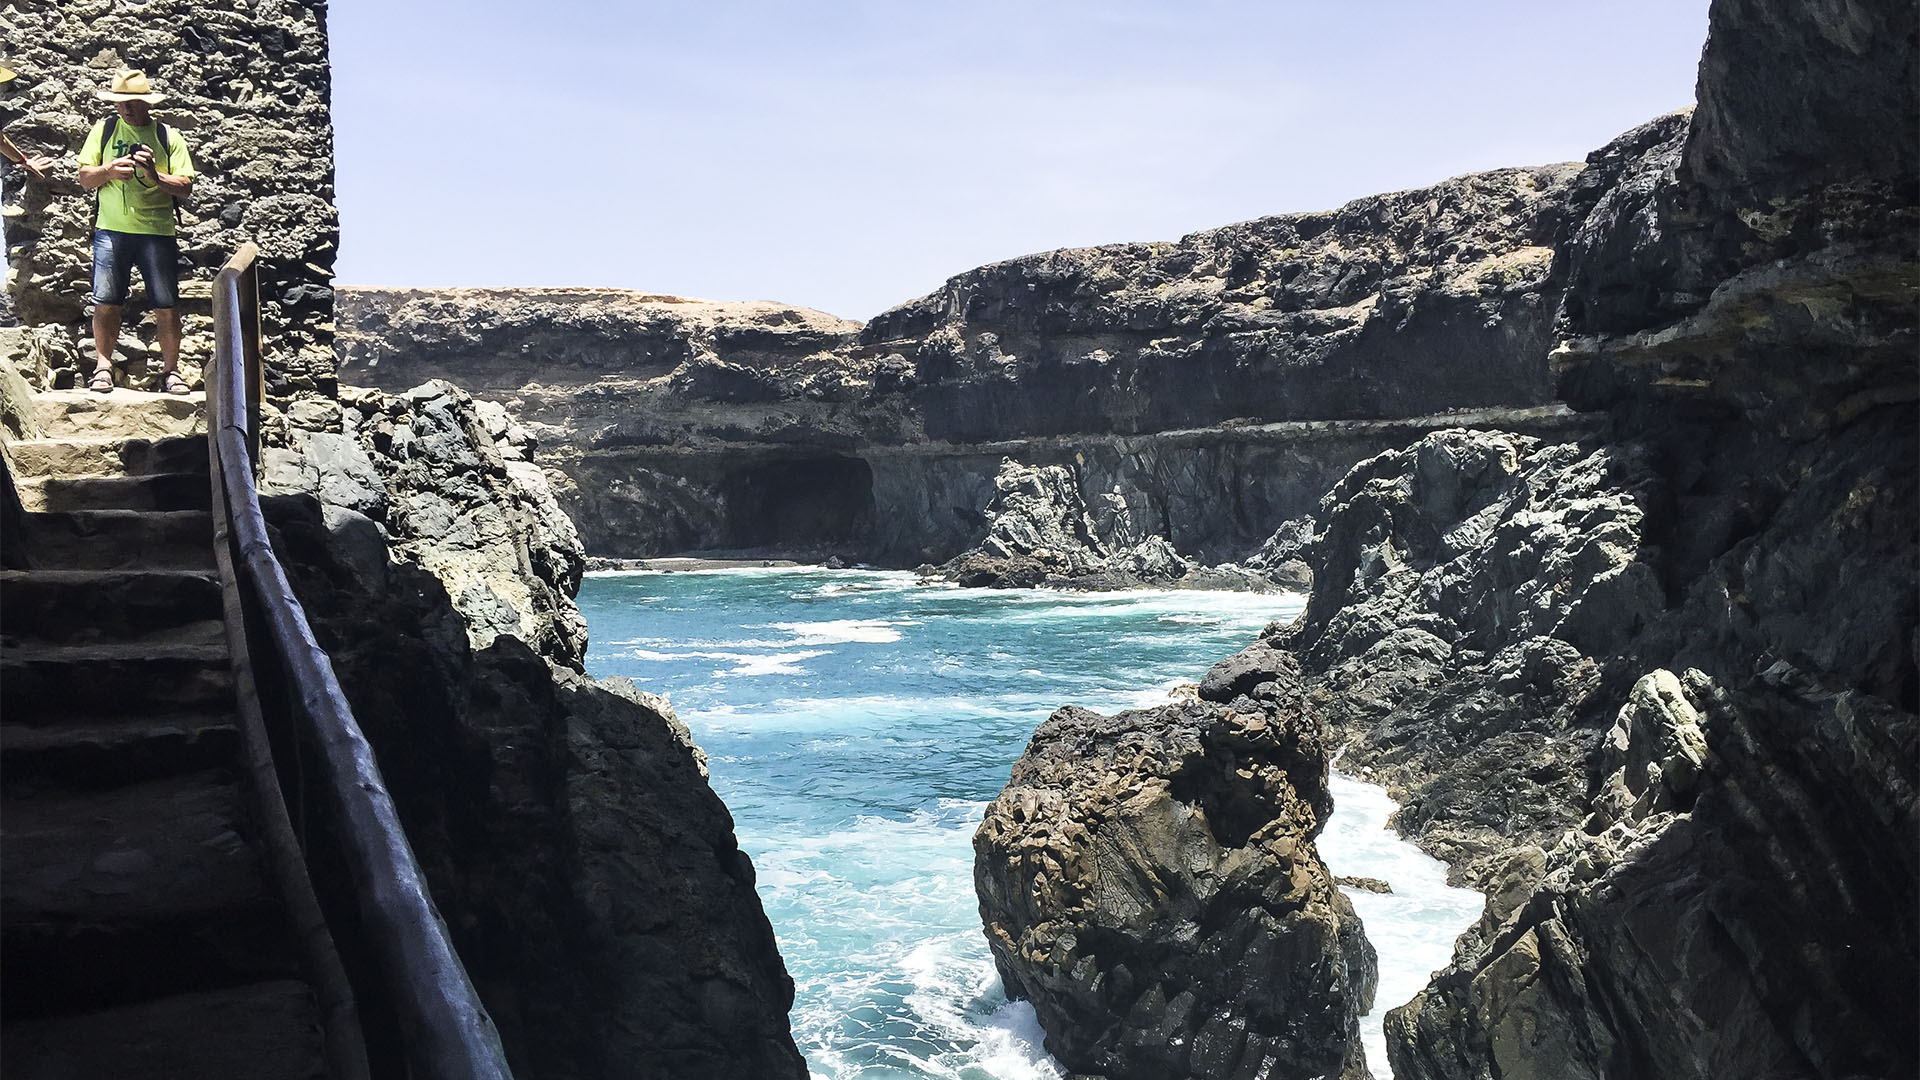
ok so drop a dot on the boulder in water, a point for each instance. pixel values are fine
(1150, 882)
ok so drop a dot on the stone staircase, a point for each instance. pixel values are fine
(141, 934)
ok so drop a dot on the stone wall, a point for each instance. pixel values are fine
(247, 86)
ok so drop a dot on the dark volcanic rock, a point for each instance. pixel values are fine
(1737, 743)
(1149, 881)
(587, 871)
(569, 835)
(1469, 592)
(1040, 532)
(451, 485)
(1685, 931)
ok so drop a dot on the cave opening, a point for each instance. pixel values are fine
(803, 504)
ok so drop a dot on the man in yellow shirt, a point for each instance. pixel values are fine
(139, 175)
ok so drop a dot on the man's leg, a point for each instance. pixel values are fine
(111, 275)
(159, 258)
(166, 328)
(106, 334)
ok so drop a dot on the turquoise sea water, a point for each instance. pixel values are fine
(857, 723)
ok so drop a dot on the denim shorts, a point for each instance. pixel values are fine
(115, 254)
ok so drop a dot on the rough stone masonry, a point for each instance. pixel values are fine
(248, 86)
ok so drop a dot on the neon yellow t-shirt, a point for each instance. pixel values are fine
(138, 205)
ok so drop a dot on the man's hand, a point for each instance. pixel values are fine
(99, 176)
(38, 165)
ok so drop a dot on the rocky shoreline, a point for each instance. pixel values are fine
(1653, 687)
(1603, 478)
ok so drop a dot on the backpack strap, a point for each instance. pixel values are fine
(166, 157)
(107, 128)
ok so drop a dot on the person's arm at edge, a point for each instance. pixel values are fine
(37, 164)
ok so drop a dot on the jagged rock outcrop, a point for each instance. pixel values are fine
(1149, 881)
(248, 88)
(451, 484)
(1469, 594)
(567, 828)
(586, 869)
(1039, 532)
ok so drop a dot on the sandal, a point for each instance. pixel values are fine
(102, 380)
(172, 383)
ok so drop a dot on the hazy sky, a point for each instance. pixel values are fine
(851, 156)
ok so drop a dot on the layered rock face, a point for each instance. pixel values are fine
(248, 89)
(1394, 305)
(1221, 382)
(1149, 881)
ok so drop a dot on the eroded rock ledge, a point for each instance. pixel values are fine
(1149, 881)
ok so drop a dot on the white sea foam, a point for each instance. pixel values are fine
(867, 879)
(836, 631)
(776, 664)
(915, 992)
(1414, 927)
(1166, 693)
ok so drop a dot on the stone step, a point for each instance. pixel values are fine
(120, 414)
(42, 683)
(155, 491)
(259, 1031)
(113, 897)
(120, 539)
(90, 754)
(76, 606)
(106, 456)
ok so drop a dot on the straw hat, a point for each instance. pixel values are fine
(131, 85)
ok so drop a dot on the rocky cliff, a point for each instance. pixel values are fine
(587, 870)
(1220, 382)
(1653, 687)
(1689, 640)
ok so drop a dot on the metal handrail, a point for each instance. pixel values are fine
(446, 1032)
